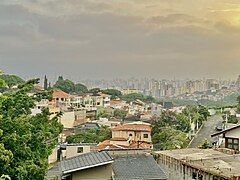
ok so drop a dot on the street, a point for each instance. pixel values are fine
(206, 131)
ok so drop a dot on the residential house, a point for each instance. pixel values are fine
(88, 166)
(72, 150)
(135, 131)
(75, 101)
(156, 109)
(106, 122)
(106, 99)
(61, 99)
(118, 104)
(131, 135)
(229, 138)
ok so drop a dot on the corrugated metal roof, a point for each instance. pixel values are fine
(137, 167)
(85, 161)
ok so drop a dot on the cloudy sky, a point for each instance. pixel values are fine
(82, 39)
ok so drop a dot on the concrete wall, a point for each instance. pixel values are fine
(67, 119)
(53, 157)
(97, 173)
(176, 170)
(80, 114)
(71, 151)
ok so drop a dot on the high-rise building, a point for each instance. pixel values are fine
(238, 82)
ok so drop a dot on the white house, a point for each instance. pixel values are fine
(229, 138)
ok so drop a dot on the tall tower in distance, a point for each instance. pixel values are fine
(238, 82)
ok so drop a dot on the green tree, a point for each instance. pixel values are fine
(83, 137)
(202, 110)
(80, 88)
(238, 105)
(135, 96)
(169, 138)
(104, 113)
(64, 85)
(119, 113)
(27, 140)
(183, 123)
(94, 135)
(11, 80)
(205, 145)
(45, 83)
(95, 90)
(113, 92)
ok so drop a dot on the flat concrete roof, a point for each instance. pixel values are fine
(207, 160)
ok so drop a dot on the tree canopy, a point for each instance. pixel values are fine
(170, 130)
(238, 105)
(95, 135)
(170, 138)
(135, 96)
(119, 113)
(65, 85)
(11, 80)
(95, 90)
(26, 141)
(113, 92)
(80, 88)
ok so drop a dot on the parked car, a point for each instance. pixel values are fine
(219, 127)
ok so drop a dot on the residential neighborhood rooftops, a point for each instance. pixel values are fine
(60, 93)
(85, 161)
(132, 145)
(141, 167)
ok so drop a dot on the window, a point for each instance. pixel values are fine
(130, 134)
(80, 150)
(145, 136)
(232, 143)
(98, 103)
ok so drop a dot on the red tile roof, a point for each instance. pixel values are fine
(40, 88)
(60, 93)
(114, 102)
(140, 145)
(107, 145)
(118, 139)
(132, 127)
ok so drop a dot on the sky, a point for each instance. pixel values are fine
(105, 39)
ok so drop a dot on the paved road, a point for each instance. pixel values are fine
(206, 131)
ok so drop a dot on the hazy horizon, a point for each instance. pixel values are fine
(107, 39)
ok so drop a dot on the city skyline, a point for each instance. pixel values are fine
(126, 38)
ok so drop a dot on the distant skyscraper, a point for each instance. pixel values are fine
(238, 82)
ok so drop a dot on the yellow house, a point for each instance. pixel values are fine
(136, 131)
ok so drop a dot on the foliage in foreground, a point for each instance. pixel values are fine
(25, 141)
